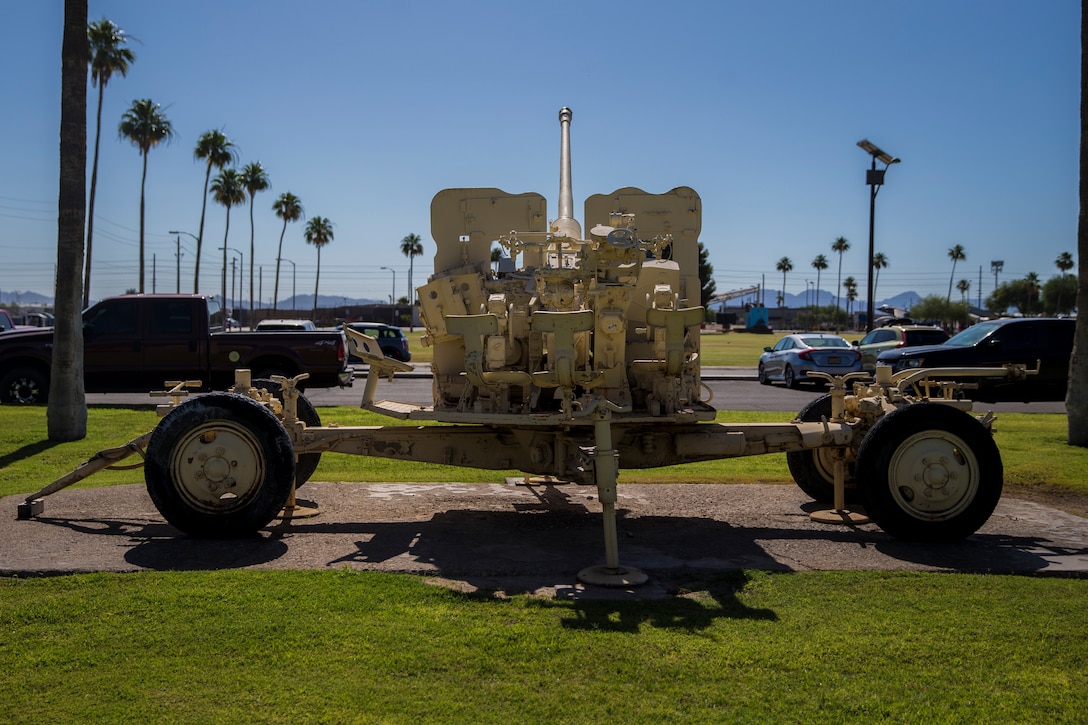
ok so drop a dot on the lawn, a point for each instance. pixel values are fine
(343, 646)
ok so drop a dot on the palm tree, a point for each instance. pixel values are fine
(956, 254)
(318, 233)
(784, 265)
(1031, 281)
(108, 56)
(963, 285)
(880, 261)
(146, 126)
(411, 247)
(254, 179)
(819, 264)
(289, 208)
(66, 414)
(1064, 263)
(851, 286)
(840, 246)
(228, 190)
(215, 148)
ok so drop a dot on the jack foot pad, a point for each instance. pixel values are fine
(301, 510)
(839, 516)
(609, 576)
(30, 509)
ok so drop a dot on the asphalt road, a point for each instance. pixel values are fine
(731, 388)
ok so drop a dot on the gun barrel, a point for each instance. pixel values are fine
(566, 225)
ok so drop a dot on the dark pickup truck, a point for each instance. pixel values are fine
(135, 343)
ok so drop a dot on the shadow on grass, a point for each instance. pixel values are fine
(27, 451)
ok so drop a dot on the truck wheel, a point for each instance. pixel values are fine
(814, 470)
(929, 472)
(307, 462)
(220, 465)
(24, 386)
(266, 373)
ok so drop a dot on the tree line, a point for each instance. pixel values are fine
(1029, 296)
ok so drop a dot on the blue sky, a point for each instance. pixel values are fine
(366, 109)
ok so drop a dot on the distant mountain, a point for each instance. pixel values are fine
(299, 302)
(23, 297)
(902, 300)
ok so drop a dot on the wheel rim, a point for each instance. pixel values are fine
(933, 476)
(218, 467)
(788, 377)
(24, 390)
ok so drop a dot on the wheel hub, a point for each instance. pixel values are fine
(218, 467)
(933, 479)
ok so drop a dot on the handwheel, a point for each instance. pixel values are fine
(307, 462)
(814, 469)
(220, 465)
(929, 472)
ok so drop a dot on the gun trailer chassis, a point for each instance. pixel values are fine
(228, 464)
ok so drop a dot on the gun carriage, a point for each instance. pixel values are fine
(574, 359)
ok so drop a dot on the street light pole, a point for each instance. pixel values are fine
(285, 259)
(874, 177)
(177, 232)
(393, 299)
(242, 264)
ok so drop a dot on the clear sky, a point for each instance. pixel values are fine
(365, 109)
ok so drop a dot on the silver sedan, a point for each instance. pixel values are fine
(794, 356)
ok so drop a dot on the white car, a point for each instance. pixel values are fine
(792, 357)
(305, 325)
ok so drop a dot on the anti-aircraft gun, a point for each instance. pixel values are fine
(576, 358)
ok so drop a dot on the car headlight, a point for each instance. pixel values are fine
(916, 362)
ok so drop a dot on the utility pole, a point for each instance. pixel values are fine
(177, 256)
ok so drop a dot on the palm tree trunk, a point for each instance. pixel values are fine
(317, 278)
(200, 231)
(250, 261)
(838, 286)
(1076, 398)
(143, 183)
(66, 415)
(223, 291)
(276, 288)
(90, 206)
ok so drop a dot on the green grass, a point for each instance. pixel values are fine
(290, 646)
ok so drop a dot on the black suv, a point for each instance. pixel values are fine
(995, 343)
(390, 339)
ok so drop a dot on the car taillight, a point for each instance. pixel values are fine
(340, 351)
(901, 343)
(805, 355)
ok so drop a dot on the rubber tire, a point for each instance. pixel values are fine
(24, 386)
(763, 379)
(262, 449)
(813, 469)
(307, 463)
(923, 430)
(790, 379)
